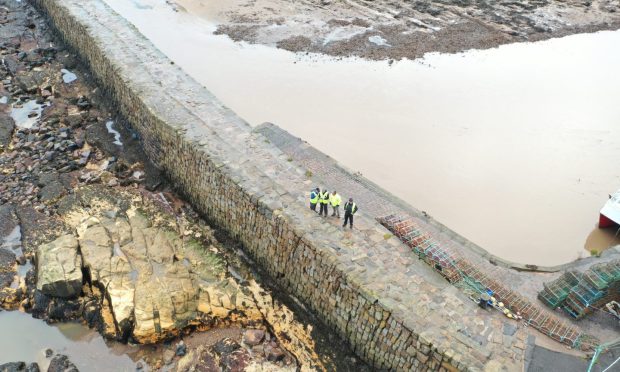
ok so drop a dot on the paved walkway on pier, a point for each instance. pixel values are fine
(376, 202)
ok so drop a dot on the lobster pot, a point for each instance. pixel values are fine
(555, 293)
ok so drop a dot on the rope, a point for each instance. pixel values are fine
(602, 348)
(597, 352)
(611, 365)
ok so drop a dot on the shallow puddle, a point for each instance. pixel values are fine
(26, 339)
(13, 241)
(26, 114)
(514, 148)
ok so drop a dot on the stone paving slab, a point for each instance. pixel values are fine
(376, 202)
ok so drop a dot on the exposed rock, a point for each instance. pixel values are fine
(253, 337)
(157, 283)
(7, 267)
(226, 346)
(275, 354)
(206, 362)
(13, 367)
(236, 361)
(7, 125)
(51, 187)
(19, 367)
(59, 272)
(181, 349)
(168, 357)
(61, 363)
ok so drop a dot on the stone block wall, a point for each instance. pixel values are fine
(370, 290)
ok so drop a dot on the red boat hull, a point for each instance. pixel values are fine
(604, 222)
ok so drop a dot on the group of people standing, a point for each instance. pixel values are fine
(324, 198)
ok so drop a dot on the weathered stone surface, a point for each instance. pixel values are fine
(59, 268)
(13, 367)
(156, 283)
(225, 346)
(236, 361)
(7, 267)
(61, 363)
(19, 367)
(6, 129)
(253, 337)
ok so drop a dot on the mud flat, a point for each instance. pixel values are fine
(401, 29)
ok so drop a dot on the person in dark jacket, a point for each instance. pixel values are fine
(349, 210)
(323, 201)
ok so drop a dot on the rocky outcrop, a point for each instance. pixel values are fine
(59, 268)
(154, 282)
(136, 266)
(19, 367)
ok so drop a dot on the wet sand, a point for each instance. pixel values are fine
(513, 147)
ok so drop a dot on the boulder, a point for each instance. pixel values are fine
(61, 363)
(253, 337)
(59, 268)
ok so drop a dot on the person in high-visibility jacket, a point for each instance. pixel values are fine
(314, 198)
(324, 201)
(335, 200)
(349, 210)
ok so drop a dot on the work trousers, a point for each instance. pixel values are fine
(323, 208)
(348, 217)
(313, 206)
(336, 210)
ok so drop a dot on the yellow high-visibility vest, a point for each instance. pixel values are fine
(325, 197)
(314, 197)
(335, 199)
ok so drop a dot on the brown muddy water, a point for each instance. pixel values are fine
(515, 148)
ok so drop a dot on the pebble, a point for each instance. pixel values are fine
(168, 357)
(253, 337)
(181, 349)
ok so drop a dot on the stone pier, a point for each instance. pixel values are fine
(395, 312)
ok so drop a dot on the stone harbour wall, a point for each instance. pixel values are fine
(395, 312)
